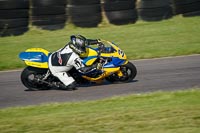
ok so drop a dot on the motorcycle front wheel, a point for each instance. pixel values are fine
(29, 76)
(129, 72)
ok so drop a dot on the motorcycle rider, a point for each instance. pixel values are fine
(64, 59)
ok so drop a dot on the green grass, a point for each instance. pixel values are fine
(170, 112)
(176, 36)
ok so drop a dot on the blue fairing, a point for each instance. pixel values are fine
(33, 56)
(116, 62)
(88, 58)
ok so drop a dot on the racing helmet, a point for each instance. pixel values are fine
(78, 44)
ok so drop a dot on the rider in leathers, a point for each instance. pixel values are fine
(64, 59)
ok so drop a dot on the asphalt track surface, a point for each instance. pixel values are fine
(165, 74)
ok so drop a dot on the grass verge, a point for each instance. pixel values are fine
(170, 112)
(176, 36)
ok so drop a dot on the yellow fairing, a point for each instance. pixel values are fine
(91, 54)
(118, 53)
(37, 64)
(107, 72)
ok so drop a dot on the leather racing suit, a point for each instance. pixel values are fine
(63, 60)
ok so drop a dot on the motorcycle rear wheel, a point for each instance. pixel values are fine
(28, 77)
(129, 72)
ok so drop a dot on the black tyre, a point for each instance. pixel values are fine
(86, 24)
(29, 75)
(14, 17)
(48, 10)
(13, 23)
(14, 4)
(52, 27)
(83, 2)
(13, 31)
(153, 3)
(106, 1)
(118, 5)
(85, 15)
(129, 72)
(192, 14)
(48, 14)
(84, 10)
(14, 13)
(155, 14)
(48, 20)
(122, 17)
(48, 2)
(183, 2)
(191, 7)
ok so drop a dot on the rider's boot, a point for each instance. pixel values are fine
(61, 86)
(71, 86)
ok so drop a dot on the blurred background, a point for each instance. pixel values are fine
(16, 16)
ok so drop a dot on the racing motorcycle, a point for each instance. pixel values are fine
(115, 67)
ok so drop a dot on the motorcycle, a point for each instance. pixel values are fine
(115, 67)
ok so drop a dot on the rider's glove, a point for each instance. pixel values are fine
(99, 43)
(98, 40)
(99, 66)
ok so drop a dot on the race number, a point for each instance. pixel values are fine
(78, 63)
(120, 52)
